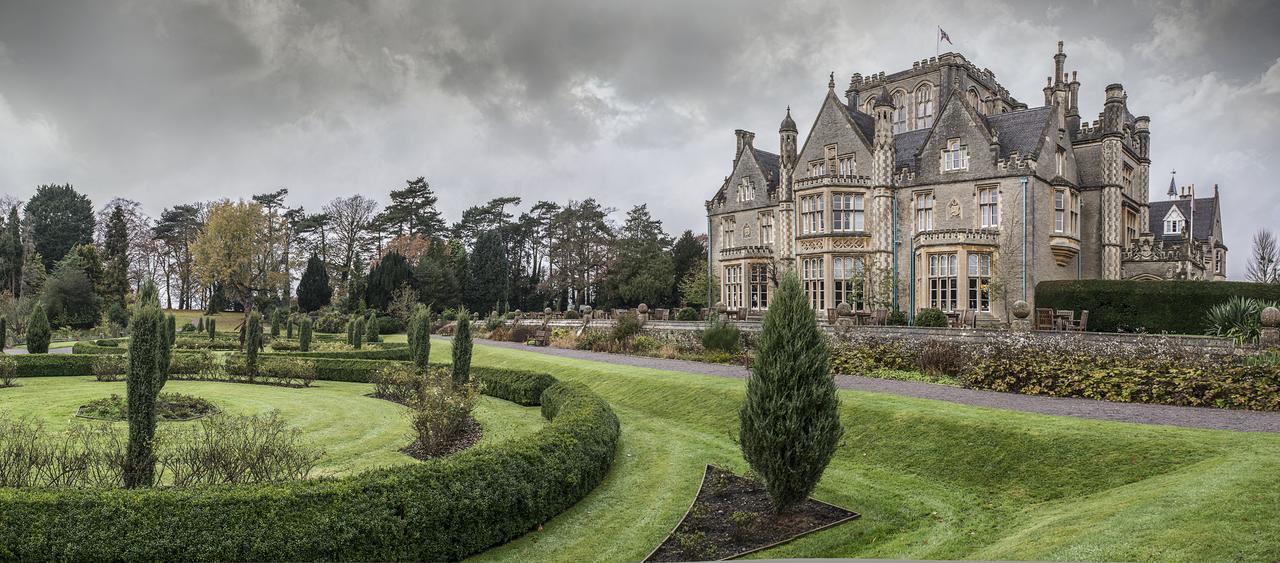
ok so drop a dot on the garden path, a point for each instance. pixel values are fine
(1189, 417)
(18, 351)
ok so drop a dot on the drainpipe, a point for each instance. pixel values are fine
(709, 246)
(1025, 205)
(894, 221)
(911, 315)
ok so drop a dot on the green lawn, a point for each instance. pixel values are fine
(931, 479)
(356, 432)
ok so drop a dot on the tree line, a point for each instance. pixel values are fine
(84, 264)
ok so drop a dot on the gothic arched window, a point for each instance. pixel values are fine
(924, 106)
(973, 100)
(899, 112)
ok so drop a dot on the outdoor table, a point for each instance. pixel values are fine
(1062, 319)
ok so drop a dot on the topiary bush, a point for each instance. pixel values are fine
(276, 321)
(930, 317)
(38, 331)
(436, 511)
(213, 328)
(419, 336)
(1144, 306)
(146, 378)
(462, 349)
(253, 338)
(371, 328)
(357, 333)
(790, 420)
(8, 370)
(304, 335)
(687, 314)
(896, 318)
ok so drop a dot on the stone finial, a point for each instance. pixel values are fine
(831, 83)
(844, 310)
(1021, 309)
(720, 307)
(586, 309)
(547, 311)
(642, 309)
(1271, 317)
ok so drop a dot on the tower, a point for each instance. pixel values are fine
(1113, 126)
(882, 185)
(787, 135)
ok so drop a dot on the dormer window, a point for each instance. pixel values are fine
(899, 112)
(818, 168)
(848, 166)
(955, 156)
(924, 106)
(1174, 222)
(747, 190)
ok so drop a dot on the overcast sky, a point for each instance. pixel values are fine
(167, 101)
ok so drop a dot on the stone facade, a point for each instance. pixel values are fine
(934, 187)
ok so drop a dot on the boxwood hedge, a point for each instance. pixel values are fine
(381, 352)
(1176, 307)
(444, 509)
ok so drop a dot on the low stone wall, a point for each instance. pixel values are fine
(1204, 344)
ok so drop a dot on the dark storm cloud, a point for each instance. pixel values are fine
(166, 102)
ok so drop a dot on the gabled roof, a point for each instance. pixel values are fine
(906, 145)
(1201, 225)
(769, 164)
(1021, 130)
(865, 123)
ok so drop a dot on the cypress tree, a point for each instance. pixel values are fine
(212, 326)
(275, 322)
(38, 331)
(143, 384)
(165, 355)
(351, 331)
(304, 335)
(357, 333)
(253, 336)
(790, 420)
(288, 326)
(116, 250)
(462, 349)
(420, 337)
(200, 324)
(4, 333)
(371, 328)
(314, 291)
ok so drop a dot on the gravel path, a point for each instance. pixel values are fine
(1189, 417)
(20, 351)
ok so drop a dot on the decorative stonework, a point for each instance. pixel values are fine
(850, 243)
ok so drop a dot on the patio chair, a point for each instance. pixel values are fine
(1081, 324)
(879, 317)
(1044, 319)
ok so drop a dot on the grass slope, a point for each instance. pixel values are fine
(355, 432)
(931, 479)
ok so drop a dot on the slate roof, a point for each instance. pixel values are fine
(1202, 228)
(769, 164)
(1019, 130)
(1089, 165)
(905, 146)
(865, 122)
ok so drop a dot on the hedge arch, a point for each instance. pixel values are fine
(443, 509)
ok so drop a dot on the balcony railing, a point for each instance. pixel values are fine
(834, 180)
(748, 251)
(940, 237)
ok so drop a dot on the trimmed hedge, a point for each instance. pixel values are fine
(396, 352)
(518, 386)
(1176, 307)
(444, 509)
(71, 365)
(104, 346)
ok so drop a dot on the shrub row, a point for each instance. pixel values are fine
(1175, 306)
(57, 365)
(98, 347)
(385, 352)
(444, 509)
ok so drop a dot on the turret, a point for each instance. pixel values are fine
(1142, 129)
(882, 165)
(1073, 104)
(1113, 109)
(787, 140)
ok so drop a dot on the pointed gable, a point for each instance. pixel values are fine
(956, 120)
(835, 124)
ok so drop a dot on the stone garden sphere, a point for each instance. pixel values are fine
(720, 307)
(1271, 317)
(643, 309)
(1021, 309)
(843, 309)
(547, 311)
(586, 309)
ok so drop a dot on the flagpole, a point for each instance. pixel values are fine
(937, 42)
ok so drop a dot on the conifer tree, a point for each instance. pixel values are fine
(4, 334)
(253, 336)
(275, 322)
(420, 337)
(314, 290)
(462, 349)
(143, 384)
(371, 328)
(304, 335)
(212, 325)
(351, 331)
(790, 420)
(357, 333)
(200, 324)
(165, 354)
(288, 326)
(38, 331)
(116, 250)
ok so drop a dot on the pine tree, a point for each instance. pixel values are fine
(314, 290)
(462, 349)
(487, 281)
(253, 336)
(304, 335)
(420, 337)
(143, 385)
(38, 331)
(116, 248)
(790, 420)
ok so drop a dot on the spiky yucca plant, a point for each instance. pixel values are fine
(1238, 318)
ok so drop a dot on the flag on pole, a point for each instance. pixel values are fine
(942, 36)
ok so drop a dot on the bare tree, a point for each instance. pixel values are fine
(349, 219)
(1263, 266)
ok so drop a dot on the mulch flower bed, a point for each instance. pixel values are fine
(169, 407)
(732, 516)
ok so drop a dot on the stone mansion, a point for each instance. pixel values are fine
(933, 187)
